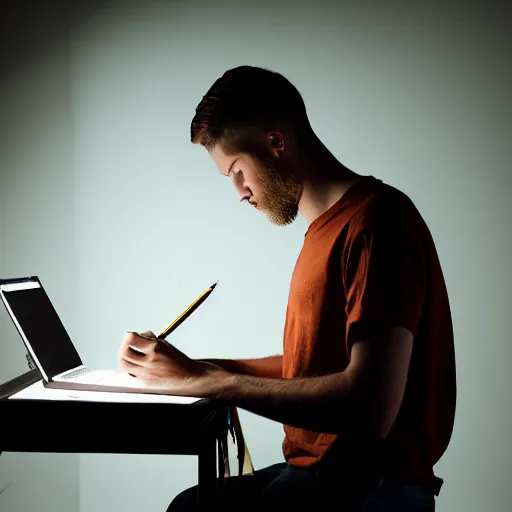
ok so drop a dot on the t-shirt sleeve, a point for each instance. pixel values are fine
(384, 273)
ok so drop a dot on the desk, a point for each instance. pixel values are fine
(69, 426)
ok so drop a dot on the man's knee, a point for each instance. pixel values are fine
(185, 501)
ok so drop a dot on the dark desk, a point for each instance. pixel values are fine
(57, 426)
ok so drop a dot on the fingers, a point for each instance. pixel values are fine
(137, 351)
(148, 335)
(136, 358)
(142, 373)
(131, 368)
(134, 370)
(139, 342)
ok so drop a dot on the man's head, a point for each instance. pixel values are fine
(252, 122)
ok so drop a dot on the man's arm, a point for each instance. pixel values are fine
(362, 400)
(269, 367)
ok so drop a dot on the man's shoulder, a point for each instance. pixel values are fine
(383, 206)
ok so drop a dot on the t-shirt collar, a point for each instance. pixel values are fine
(352, 193)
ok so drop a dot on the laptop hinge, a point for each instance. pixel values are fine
(30, 361)
(32, 365)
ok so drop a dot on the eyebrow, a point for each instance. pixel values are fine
(231, 166)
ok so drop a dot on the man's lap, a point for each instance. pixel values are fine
(237, 491)
(280, 485)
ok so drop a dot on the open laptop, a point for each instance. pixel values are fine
(50, 346)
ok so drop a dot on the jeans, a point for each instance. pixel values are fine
(284, 487)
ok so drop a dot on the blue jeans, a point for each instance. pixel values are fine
(284, 487)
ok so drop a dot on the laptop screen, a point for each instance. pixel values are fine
(40, 326)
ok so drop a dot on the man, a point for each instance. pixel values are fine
(366, 384)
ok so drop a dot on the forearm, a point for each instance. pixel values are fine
(327, 404)
(269, 367)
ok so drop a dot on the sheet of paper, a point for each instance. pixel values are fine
(38, 392)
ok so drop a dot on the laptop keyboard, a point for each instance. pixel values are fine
(76, 373)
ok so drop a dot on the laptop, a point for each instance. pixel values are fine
(50, 346)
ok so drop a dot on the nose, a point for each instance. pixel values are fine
(241, 188)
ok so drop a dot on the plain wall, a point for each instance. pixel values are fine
(37, 228)
(416, 95)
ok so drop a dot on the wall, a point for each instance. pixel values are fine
(414, 93)
(37, 229)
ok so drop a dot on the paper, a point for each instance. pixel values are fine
(38, 392)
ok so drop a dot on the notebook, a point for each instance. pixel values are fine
(50, 346)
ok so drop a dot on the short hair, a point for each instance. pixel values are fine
(245, 99)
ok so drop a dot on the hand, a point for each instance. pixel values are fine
(160, 365)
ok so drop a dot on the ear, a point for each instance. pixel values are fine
(277, 143)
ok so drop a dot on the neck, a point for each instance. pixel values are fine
(325, 180)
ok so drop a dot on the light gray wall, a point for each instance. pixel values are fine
(417, 96)
(37, 229)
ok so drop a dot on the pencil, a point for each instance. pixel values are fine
(176, 323)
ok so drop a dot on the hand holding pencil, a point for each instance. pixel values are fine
(161, 365)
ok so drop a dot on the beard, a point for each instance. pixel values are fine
(279, 196)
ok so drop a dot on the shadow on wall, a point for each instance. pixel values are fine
(29, 27)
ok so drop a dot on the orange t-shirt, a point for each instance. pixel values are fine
(370, 262)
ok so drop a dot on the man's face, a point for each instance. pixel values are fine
(274, 192)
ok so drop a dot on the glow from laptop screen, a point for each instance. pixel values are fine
(40, 327)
